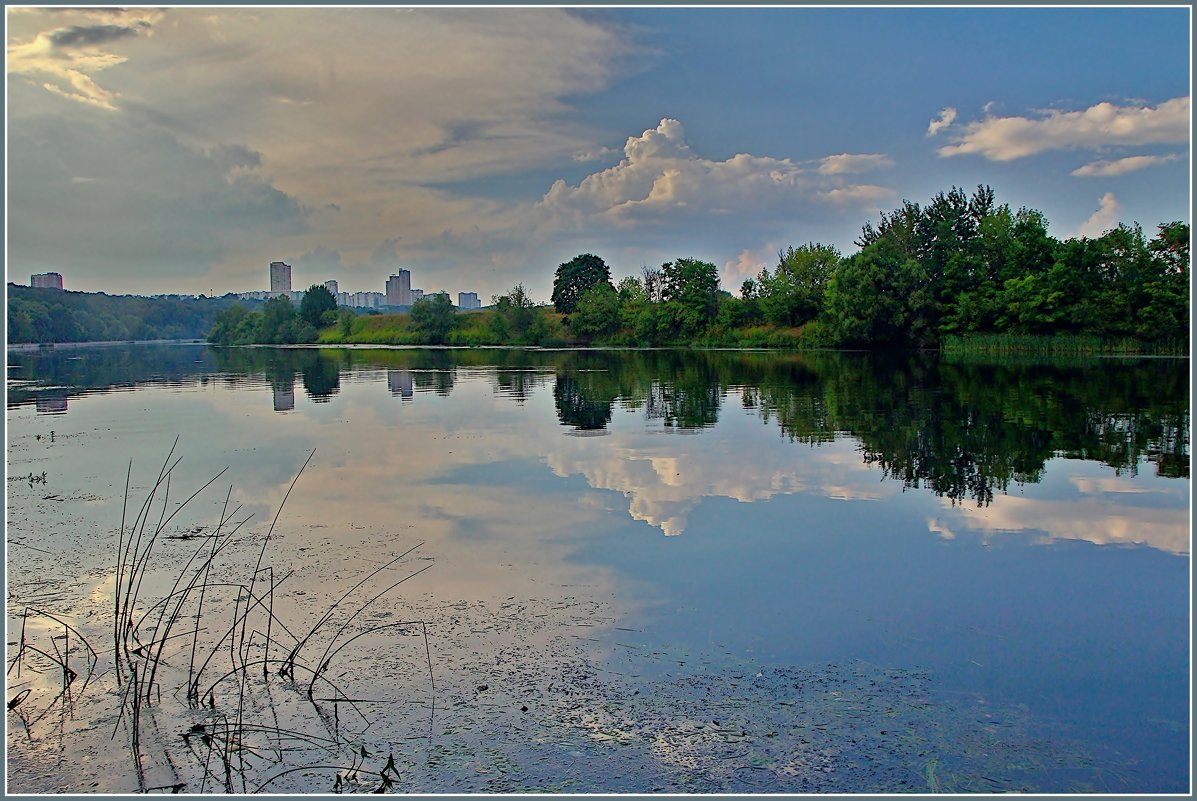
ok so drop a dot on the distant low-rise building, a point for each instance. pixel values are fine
(468, 300)
(366, 300)
(46, 280)
(417, 294)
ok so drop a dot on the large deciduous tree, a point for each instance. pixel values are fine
(316, 301)
(575, 277)
(691, 291)
(433, 317)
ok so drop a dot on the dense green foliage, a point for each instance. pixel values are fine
(961, 270)
(277, 323)
(317, 302)
(432, 317)
(52, 315)
(575, 278)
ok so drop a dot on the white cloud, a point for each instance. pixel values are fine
(854, 162)
(946, 117)
(1102, 125)
(1121, 166)
(661, 176)
(1104, 219)
(748, 264)
(860, 194)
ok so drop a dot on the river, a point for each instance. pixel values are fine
(495, 570)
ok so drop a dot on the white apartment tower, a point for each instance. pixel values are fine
(280, 278)
(399, 289)
(468, 300)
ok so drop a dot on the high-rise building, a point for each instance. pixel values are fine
(399, 289)
(468, 300)
(331, 286)
(280, 277)
(46, 280)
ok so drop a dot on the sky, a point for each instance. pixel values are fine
(164, 150)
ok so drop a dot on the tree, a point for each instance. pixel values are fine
(691, 290)
(597, 312)
(316, 301)
(576, 276)
(793, 293)
(280, 324)
(880, 297)
(515, 309)
(433, 317)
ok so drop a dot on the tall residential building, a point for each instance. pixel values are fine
(280, 277)
(399, 289)
(331, 286)
(46, 280)
(468, 300)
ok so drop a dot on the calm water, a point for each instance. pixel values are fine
(646, 571)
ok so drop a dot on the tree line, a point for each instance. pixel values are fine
(38, 314)
(959, 266)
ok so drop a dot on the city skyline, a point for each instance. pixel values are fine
(178, 149)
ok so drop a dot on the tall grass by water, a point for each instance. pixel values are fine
(213, 689)
(1056, 345)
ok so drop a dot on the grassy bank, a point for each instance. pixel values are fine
(1056, 345)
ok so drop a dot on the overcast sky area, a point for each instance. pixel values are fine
(183, 150)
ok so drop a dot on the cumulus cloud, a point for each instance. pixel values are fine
(661, 175)
(748, 264)
(1101, 125)
(853, 163)
(946, 117)
(1104, 219)
(1121, 166)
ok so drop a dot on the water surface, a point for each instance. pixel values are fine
(651, 570)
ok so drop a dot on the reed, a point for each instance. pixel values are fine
(231, 667)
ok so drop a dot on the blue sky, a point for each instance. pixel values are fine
(184, 149)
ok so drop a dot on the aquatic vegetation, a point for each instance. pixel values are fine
(202, 682)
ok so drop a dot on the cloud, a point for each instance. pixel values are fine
(1102, 125)
(748, 264)
(1121, 166)
(852, 163)
(88, 35)
(859, 194)
(1104, 219)
(661, 176)
(63, 60)
(593, 155)
(946, 117)
(115, 204)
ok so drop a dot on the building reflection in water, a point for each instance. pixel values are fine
(51, 403)
(400, 383)
(284, 397)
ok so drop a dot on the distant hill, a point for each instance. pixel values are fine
(38, 315)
